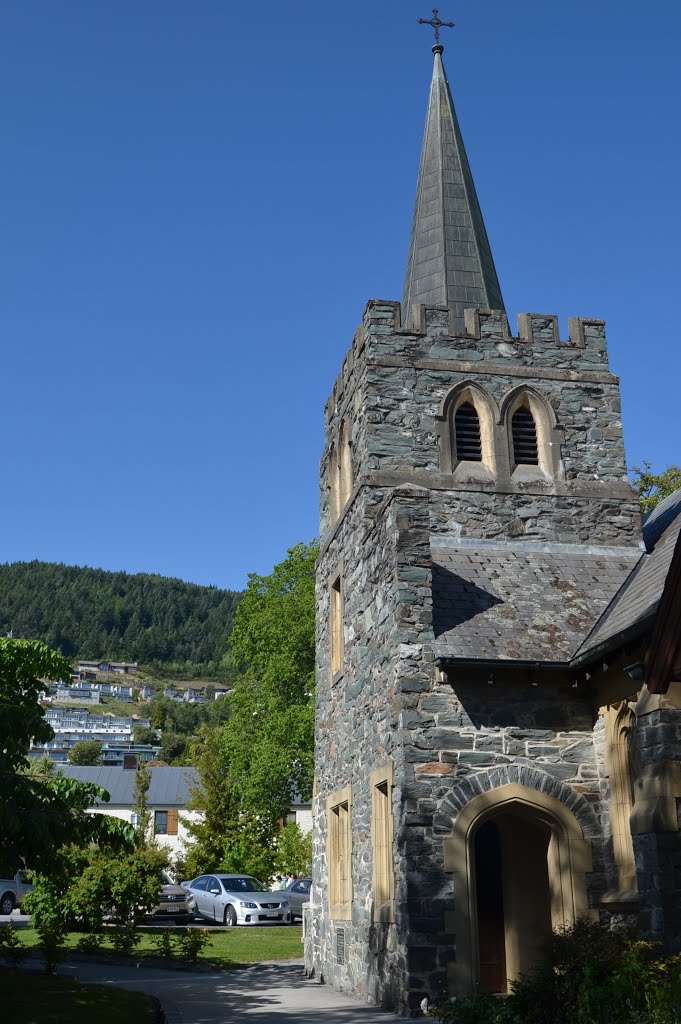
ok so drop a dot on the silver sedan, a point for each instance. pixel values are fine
(237, 899)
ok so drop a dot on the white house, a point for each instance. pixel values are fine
(167, 798)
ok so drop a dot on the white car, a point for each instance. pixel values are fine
(237, 899)
(12, 891)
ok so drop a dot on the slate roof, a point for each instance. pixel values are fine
(525, 603)
(169, 787)
(632, 610)
(662, 516)
(450, 261)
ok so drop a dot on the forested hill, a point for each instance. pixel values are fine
(181, 628)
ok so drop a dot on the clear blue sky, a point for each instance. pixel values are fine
(199, 197)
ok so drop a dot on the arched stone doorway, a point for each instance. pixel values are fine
(519, 859)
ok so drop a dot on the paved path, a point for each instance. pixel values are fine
(268, 994)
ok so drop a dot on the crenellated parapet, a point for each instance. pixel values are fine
(433, 335)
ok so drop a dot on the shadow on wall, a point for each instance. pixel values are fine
(523, 700)
(457, 600)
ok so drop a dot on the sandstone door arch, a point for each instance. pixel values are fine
(519, 861)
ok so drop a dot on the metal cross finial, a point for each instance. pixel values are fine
(436, 23)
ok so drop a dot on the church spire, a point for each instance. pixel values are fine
(450, 261)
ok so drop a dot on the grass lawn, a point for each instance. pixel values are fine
(43, 999)
(229, 947)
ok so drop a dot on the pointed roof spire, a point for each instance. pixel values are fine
(450, 261)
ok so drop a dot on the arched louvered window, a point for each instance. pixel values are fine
(467, 429)
(524, 432)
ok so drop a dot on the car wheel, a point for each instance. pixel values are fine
(230, 917)
(7, 903)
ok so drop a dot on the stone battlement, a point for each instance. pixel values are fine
(487, 338)
(436, 321)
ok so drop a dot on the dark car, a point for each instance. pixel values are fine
(298, 892)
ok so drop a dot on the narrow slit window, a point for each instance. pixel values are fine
(524, 432)
(467, 428)
(336, 623)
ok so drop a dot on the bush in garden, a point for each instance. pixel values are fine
(51, 945)
(193, 942)
(125, 937)
(163, 941)
(91, 943)
(88, 885)
(591, 975)
(11, 948)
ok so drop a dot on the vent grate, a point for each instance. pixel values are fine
(340, 945)
(467, 427)
(524, 433)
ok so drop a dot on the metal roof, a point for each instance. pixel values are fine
(450, 260)
(169, 787)
(522, 603)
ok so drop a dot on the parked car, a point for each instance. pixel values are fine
(237, 899)
(298, 892)
(12, 891)
(175, 903)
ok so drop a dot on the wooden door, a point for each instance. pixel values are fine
(490, 908)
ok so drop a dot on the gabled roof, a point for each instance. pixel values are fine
(526, 602)
(450, 260)
(632, 611)
(169, 787)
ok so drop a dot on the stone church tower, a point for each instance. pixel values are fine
(473, 751)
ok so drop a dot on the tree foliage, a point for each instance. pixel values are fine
(177, 628)
(655, 487)
(39, 812)
(269, 735)
(86, 752)
(89, 884)
(226, 837)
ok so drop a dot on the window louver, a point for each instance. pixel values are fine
(467, 427)
(524, 433)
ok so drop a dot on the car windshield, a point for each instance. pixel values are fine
(242, 883)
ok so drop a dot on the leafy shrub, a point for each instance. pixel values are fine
(125, 937)
(193, 942)
(163, 941)
(51, 944)
(90, 943)
(11, 948)
(590, 975)
(89, 884)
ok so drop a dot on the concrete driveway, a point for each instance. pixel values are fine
(270, 994)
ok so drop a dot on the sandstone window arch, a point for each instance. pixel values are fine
(466, 418)
(619, 719)
(344, 466)
(532, 434)
(553, 863)
(333, 480)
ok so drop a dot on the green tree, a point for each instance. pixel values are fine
(90, 883)
(143, 734)
(293, 851)
(140, 806)
(655, 487)
(173, 746)
(226, 837)
(86, 752)
(40, 813)
(269, 735)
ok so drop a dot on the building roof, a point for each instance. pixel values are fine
(494, 602)
(659, 518)
(633, 608)
(169, 787)
(450, 261)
